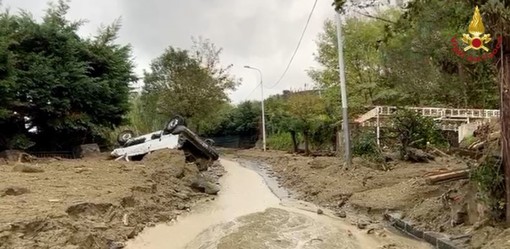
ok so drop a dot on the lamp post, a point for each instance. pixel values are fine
(262, 105)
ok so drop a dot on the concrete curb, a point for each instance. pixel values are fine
(440, 241)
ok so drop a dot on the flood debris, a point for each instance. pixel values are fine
(98, 208)
(341, 214)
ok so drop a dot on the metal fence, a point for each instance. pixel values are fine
(234, 141)
(49, 154)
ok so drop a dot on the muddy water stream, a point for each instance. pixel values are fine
(249, 214)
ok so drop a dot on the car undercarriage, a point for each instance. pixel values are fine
(175, 135)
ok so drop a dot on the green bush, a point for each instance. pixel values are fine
(322, 133)
(365, 145)
(281, 141)
(415, 130)
(490, 180)
(21, 142)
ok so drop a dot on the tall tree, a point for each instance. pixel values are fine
(68, 87)
(306, 108)
(498, 15)
(191, 84)
(419, 47)
(362, 58)
(242, 119)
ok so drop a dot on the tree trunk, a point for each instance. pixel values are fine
(462, 77)
(307, 148)
(448, 176)
(334, 141)
(505, 120)
(294, 141)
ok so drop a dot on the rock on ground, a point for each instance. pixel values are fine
(13, 191)
(205, 185)
(26, 168)
(87, 150)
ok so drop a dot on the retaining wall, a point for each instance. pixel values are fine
(438, 240)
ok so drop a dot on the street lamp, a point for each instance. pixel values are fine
(262, 104)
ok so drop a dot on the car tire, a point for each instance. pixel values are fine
(124, 136)
(174, 123)
(209, 141)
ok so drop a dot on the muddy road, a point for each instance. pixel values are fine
(251, 211)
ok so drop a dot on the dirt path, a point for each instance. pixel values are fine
(247, 214)
(93, 203)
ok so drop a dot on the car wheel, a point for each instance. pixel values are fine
(209, 141)
(173, 123)
(124, 136)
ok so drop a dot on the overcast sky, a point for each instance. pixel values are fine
(262, 33)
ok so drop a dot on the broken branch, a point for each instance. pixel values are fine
(450, 176)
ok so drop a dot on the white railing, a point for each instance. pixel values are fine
(443, 112)
(446, 127)
(450, 118)
(432, 112)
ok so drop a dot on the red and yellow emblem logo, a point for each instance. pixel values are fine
(476, 40)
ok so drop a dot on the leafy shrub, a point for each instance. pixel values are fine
(21, 142)
(365, 145)
(415, 130)
(490, 180)
(322, 134)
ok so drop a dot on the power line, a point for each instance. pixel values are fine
(253, 90)
(294, 54)
(297, 48)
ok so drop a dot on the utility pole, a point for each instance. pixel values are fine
(263, 113)
(504, 115)
(343, 92)
(262, 106)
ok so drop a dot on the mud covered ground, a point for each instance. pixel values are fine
(370, 191)
(95, 203)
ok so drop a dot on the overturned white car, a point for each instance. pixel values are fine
(175, 135)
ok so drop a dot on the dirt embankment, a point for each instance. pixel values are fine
(95, 203)
(448, 207)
